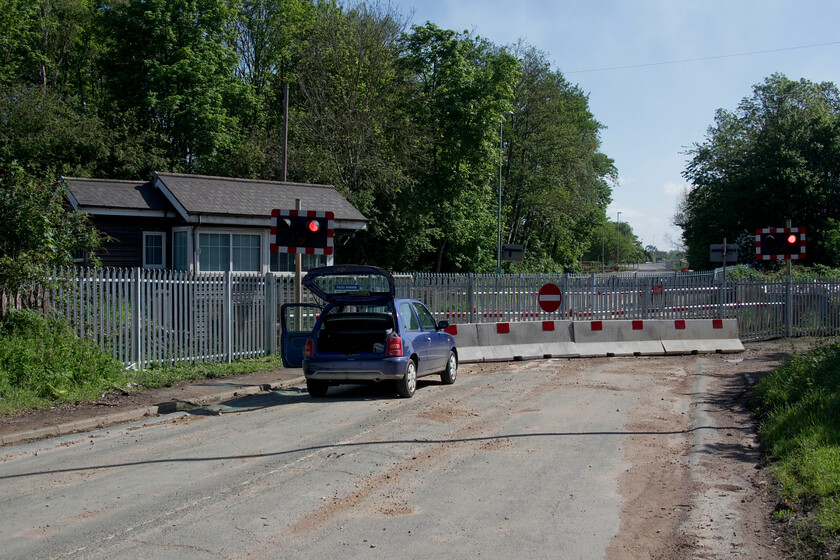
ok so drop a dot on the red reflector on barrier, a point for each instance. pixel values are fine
(597, 326)
(502, 328)
(451, 329)
(637, 325)
(679, 324)
(717, 323)
(548, 325)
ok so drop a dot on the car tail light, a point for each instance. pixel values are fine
(395, 348)
(309, 348)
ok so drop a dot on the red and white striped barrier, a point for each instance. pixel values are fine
(618, 338)
(485, 342)
(693, 336)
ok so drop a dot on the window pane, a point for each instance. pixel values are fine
(179, 250)
(215, 251)
(153, 249)
(285, 262)
(282, 262)
(426, 319)
(409, 322)
(246, 252)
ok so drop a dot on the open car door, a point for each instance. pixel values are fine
(296, 323)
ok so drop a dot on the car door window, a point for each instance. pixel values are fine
(426, 320)
(407, 318)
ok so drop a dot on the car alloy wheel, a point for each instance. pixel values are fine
(408, 384)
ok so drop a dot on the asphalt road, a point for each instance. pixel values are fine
(517, 460)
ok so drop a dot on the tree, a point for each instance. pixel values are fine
(169, 69)
(36, 231)
(557, 183)
(615, 242)
(776, 157)
(461, 86)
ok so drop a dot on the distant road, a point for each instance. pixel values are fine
(651, 267)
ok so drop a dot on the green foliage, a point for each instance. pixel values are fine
(461, 87)
(615, 241)
(776, 157)
(36, 231)
(168, 70)
(42, 362)
(799, 408)
(167, 375)
(798, 273)
(556, 183)
(405, 123)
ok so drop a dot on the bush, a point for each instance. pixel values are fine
(42, 361)
(799, 405)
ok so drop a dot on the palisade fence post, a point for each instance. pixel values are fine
(470, 301)
(564, 293)
(788, 307)
(227, 317)
(270, 314)
(135, 323)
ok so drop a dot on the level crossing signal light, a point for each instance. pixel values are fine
(302, 231)
(779, 244)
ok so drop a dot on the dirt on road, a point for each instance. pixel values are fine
(695, 484)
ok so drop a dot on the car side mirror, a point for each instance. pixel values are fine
(442, 325)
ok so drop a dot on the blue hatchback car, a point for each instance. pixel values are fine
(365, 334)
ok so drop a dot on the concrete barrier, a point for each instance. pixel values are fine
(529, 340)
(692, 336)
(497, 342)
(570, 339)
(466, 341)
(560, 337)
(618, 338)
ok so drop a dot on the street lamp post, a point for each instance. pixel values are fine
(499, 218)
(618, 240)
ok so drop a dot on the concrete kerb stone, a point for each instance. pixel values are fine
(692, 336)
(618, 338)
(103, 421)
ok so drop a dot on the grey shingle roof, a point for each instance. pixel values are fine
(200, 194)
(115, 194)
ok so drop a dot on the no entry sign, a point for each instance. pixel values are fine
(549, 298)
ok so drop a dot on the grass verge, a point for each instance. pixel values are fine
(43, 363)
(799, 414)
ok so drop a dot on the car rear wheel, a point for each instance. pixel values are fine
(451, 372)
(316, 389)
(408, 384)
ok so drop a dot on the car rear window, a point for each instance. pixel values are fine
(353, 284)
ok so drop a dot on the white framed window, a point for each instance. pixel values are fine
(181, 249)
(223, 251)
(245, 253)
(285, 262)
(154, 249)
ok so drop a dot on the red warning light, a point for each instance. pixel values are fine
(792, 238)
(313, 226)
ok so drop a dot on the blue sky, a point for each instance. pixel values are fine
(654, 112)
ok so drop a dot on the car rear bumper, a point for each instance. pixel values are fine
(355, 370)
